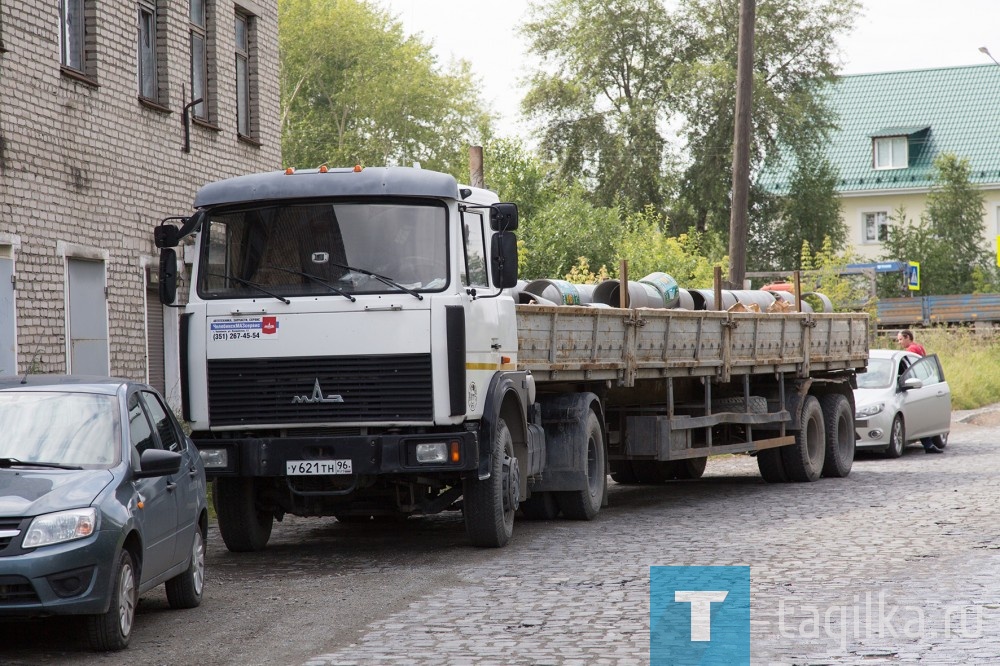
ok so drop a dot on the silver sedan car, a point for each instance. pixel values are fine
(902, 398)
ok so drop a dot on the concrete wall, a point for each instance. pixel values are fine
(87, 169)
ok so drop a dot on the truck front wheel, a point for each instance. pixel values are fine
(244, 527)
(489, 504)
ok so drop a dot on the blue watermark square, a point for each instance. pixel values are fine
(699, 615)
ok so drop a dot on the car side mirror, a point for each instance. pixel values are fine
(911, 383)
(157, 462)
(168, 276)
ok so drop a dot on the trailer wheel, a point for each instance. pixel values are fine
(540, 506)
(244, 527)
(771, 468)
(690, 468)
(489, 504)
(804, 460)
(584, 504)
(840, 435)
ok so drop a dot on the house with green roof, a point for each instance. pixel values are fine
(891, 127)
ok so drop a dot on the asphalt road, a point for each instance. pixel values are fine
(918, 534)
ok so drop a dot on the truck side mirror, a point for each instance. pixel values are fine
(503, 217)
(168, 276)
(166, 235)
(503, 260)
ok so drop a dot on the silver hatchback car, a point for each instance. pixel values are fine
(102, 497)
(903, 397)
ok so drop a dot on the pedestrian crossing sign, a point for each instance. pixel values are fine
(913, 276)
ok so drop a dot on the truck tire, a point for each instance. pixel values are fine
(540, 506)
(584, 504)
(489, 504)
(941, 440)
(804, 460)
(771, 468)
(840, 435)
(690, 468)
(244, 527)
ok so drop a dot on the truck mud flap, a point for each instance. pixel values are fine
(564, 419)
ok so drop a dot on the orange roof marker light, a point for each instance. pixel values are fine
(357, 168)
(289, 171)
(323, 168)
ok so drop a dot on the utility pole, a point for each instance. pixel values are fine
(741, 147)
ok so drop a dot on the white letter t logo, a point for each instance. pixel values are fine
(701, 606)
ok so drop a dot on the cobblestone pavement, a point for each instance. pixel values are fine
(898, 563)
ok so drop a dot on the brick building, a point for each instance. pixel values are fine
(95, 150)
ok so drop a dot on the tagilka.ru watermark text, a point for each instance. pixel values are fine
(871, 615)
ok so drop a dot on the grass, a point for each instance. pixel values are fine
(971, 362)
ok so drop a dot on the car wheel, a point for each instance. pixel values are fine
(941, 440)
(897, 438)
(185, 590)
(112, 629)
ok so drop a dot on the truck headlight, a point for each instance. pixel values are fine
(870, 410)
(214, 458)
(61, 526)
(432, 452)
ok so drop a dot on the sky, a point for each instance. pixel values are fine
(891, 35)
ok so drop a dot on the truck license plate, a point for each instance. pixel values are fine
(317, 467)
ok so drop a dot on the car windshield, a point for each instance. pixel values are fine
(880, 374)
(324, 249)
(60, 428)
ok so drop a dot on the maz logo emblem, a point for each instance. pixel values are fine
(317, 396)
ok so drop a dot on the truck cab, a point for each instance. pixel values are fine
(340, 338)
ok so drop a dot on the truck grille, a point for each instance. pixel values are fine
(314, 390)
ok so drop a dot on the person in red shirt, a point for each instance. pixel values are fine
(906, 341)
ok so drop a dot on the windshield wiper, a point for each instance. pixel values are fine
(12, 462)
(252, 285)
(315, 279)
(381, 278)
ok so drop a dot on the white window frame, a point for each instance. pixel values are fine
(244, 115)
(881, 220)
(890, 152)
(198, 29)
(147, 54)
(73, 35)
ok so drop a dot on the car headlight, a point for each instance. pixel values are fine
(870, 410)
(59, 527)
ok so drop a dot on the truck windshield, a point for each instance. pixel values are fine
(306, 249)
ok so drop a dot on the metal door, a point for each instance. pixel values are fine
(8, 329)
(87, 318)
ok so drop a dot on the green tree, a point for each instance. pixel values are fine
(947, 241)
(602, 97)
(794, 51)
(355, 90)
(810, 213)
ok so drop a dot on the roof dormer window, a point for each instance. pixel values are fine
(891, 152)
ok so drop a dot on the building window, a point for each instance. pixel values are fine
(199, 58)
(891, 153)
(243, 115)
(148, 85)
(72, 35)
(876, 227)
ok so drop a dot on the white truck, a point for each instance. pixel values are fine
(351, 347)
